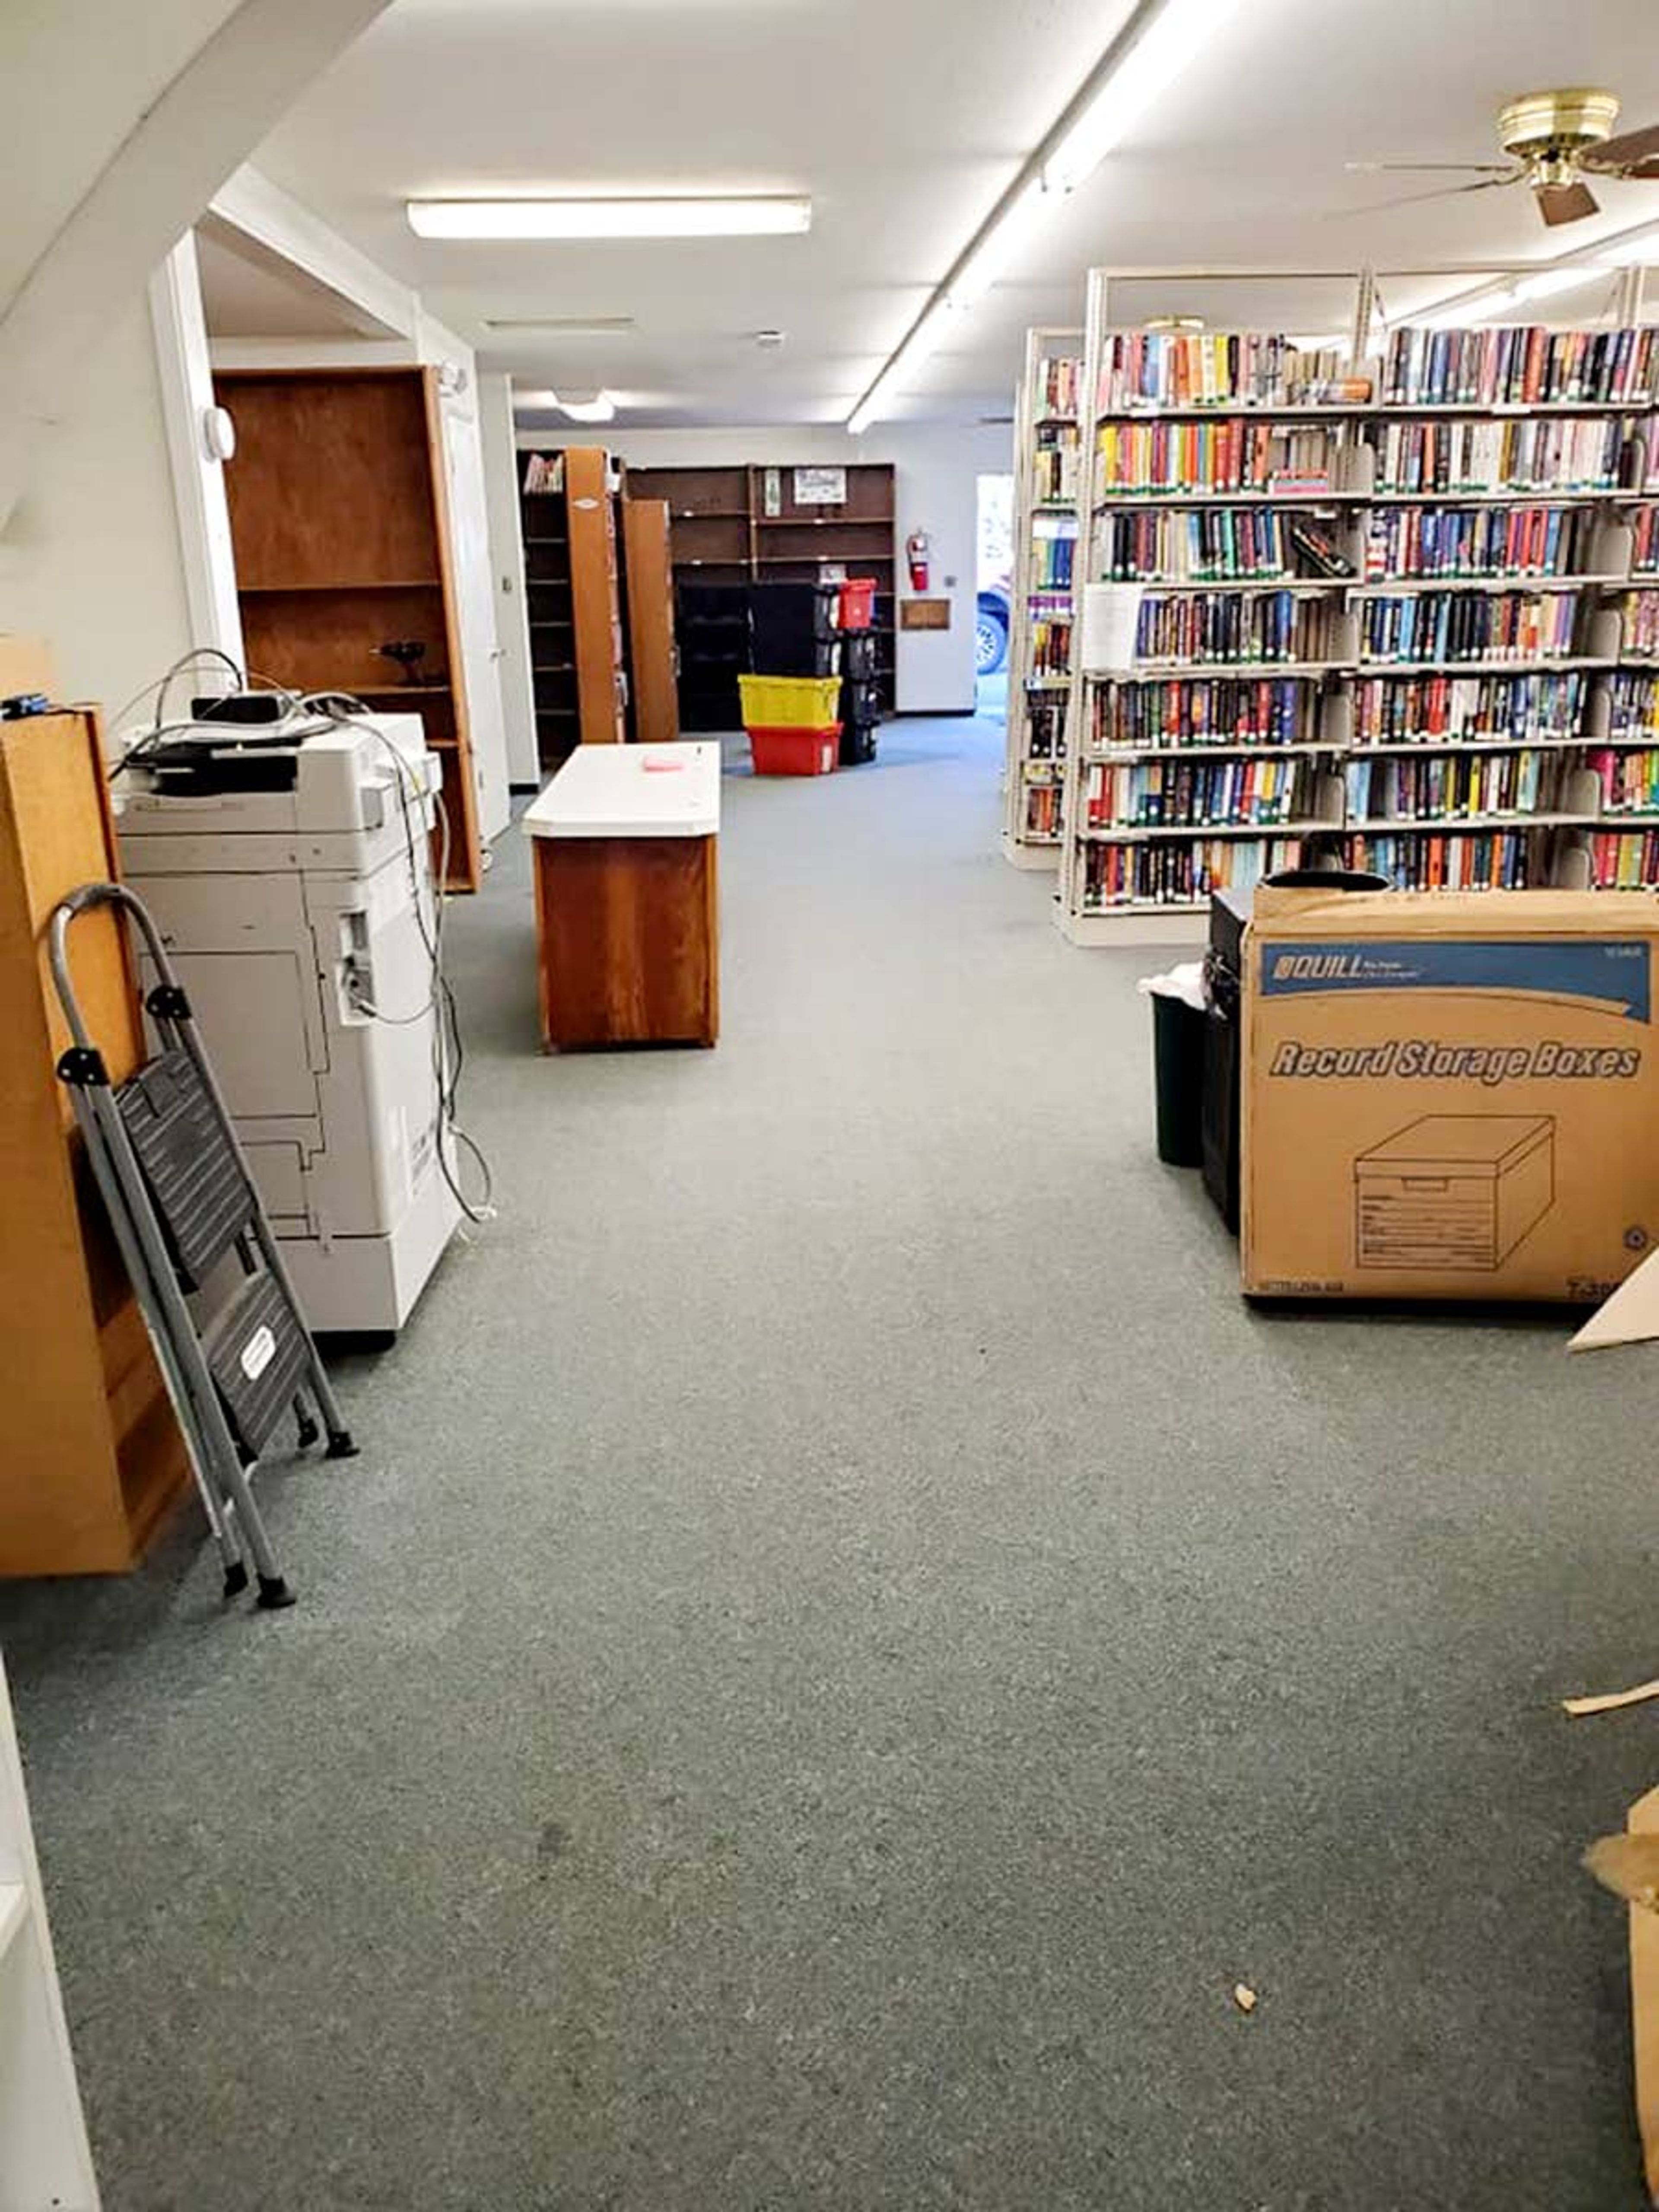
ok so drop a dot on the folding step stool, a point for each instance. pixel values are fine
(179, 1197)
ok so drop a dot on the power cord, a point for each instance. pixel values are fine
(341, 711)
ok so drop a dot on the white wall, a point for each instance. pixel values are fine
(89, 556)
(935, 489)
(500, 465)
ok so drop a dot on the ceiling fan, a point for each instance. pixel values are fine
(1552, 138)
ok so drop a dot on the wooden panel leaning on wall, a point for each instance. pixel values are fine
(94, 1457)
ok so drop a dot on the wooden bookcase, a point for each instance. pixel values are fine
(738, 525)
(572, 583)
(94, 1457)
(1373, 607)
(1041, 614)
(648, 607)
(339, 516)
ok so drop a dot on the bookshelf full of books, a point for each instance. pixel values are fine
(1045, 527)
(1398, 611)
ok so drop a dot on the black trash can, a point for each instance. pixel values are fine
(1178, 1079)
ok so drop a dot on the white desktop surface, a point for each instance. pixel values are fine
(631, 791)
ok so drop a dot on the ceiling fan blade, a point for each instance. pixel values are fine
(1623, 152)
(1486, 168)
(1559, 204)
(1412, 199)
(1639, 173)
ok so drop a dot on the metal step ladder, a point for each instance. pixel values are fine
(181, 1201)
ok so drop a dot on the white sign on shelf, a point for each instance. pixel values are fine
(820, 487)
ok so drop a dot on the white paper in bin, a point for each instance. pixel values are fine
(1111, 619)
(1185, 982)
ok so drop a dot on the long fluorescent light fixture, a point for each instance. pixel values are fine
(741, 214)
(1123, 86)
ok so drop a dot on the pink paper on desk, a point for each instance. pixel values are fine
(663, 768)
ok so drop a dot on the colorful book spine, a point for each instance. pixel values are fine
(1446, 709)
(1519, 364)
(1198, 711)
(1465, 860)
(1452, 626)
(1409, 543)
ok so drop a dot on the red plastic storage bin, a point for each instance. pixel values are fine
(858, 603)
(796, 752)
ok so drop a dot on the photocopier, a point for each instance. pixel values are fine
(287, 861)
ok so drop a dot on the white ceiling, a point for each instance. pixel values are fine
(905, 120)
(249, 293)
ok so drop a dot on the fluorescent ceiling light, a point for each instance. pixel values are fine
(730, 215)
(1017, 223)
(1120, 90)
(1131, 89)
(566, 326)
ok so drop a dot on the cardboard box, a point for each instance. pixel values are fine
(1450, 1096)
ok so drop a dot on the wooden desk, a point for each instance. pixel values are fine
(627, 895)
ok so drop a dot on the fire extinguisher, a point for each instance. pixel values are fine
(915, 552)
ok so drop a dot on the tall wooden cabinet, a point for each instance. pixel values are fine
(92, 1455)
(339, 515)
(748, 523)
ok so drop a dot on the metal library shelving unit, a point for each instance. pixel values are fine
(1393, 602)
(1040, 627)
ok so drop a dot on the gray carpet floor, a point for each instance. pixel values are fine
(847, 1638)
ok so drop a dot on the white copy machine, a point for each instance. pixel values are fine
(288, 869)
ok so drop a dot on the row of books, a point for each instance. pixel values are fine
(1222, 626)
(545, 472)
(1197, 794)
(1480, 540)
(1277, 710)
(1538, 452)
(1452, 625)
(1053, 474)
(1518, 362)
(1640, 611)
(1182, 872)
(1052, 557)
(1045, 729)
(1044, 810)
(1625, 860)
(1439, 709)
(1051, 643)
(1246, 544)
(1472, 861)
(1453, 783)
(1634, 706)
(1629, 780)
(1234, 455)
(1189, 368)
(1059, 383)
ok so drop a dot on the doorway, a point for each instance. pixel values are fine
(993, 579)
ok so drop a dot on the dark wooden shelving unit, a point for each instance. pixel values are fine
(339, 518)
(724, 539)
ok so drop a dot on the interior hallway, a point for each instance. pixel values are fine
(847, 1638)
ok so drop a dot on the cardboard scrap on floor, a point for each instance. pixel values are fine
(1610, 1701)
(1631, 1315)
(1643, 1821)
(1244, 1997)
